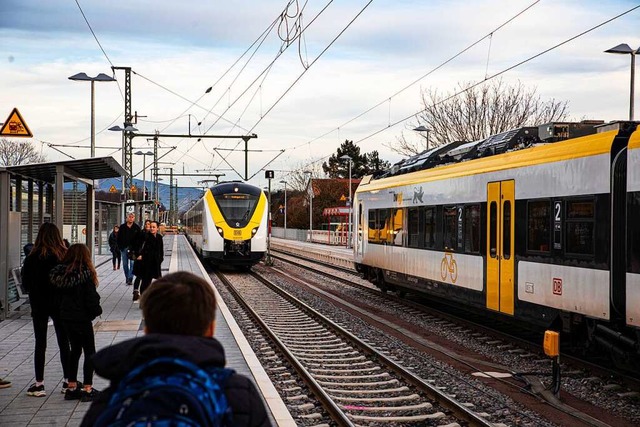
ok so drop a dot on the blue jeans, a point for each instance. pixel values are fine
(127, 265)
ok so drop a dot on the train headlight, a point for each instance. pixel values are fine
(254, 231)
(220, 232)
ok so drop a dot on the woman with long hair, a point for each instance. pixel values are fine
(47, 251)
(75, 282)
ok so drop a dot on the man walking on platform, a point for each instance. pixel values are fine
(126, 239)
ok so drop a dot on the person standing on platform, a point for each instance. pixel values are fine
(179, 311)
(137, 265)
(75, 282)
(151, 255)
(113, 247)
(126, 238)
(47, 252)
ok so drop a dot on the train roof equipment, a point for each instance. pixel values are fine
(511, 140)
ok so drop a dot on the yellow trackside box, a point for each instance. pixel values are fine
(551, 343)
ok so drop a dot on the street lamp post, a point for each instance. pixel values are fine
(424, 129)
(285, 207)
(99, 78)
(347, 157)
(626, 50)
(310, 205)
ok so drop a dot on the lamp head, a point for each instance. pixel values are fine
(622, 48)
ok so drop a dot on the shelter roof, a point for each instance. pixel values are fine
(90, 168)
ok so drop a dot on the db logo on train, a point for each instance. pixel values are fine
(557, 286)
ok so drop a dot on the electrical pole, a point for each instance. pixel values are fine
(127, 149)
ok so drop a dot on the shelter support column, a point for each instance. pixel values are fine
(91, 219)
(4, 242)
(59, 195)
(30, 210)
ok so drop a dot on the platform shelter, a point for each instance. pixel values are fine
(33, 194)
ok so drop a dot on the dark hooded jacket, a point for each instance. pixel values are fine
(76, 294)
(35, 278)
(118, 360)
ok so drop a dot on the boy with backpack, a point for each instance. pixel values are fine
(174, 374)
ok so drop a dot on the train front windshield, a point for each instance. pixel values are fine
(237, 207)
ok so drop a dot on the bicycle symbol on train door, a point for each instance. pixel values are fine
(449, 266)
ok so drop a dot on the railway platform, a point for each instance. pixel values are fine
(121, 320)
(329, 254)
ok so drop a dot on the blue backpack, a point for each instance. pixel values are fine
(169, 392)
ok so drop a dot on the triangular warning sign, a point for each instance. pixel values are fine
(113, 189)
(15, 126)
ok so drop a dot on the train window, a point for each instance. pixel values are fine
(580, 227)
(397, 227)
(450, 228)
(373, 226)
(493, 232)
(633, 233)
(430, 227)
(538, 221)
(360, 220)
(506, 229)
(472, 229)
(237, 207)
(384, 226)
(413, 227)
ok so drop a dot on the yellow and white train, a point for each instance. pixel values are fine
(542, 230)
(228, 225)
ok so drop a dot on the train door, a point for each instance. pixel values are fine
(359, 230)
(500, 246)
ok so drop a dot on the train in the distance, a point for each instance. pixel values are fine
(228, 225)
(538, 225)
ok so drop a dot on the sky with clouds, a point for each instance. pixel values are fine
(355, 73)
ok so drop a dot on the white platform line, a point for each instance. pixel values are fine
(173, 264)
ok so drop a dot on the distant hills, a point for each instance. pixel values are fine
(186, 195)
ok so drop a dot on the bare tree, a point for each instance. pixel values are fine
(18, 152)
(473, 112)
(297, 180)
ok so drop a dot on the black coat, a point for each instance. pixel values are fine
(152, 253)
(127, 235)
(35, 277)
(77, 296)
(113, 243)
(114, 362)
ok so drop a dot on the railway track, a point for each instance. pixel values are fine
(520, 348)
(495, 330)
(356, 384)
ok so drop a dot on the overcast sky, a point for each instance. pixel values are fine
(179, 49)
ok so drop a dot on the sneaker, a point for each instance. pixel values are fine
(89, 396)
(73, 394)
(36, 391)
(65, 386)
(4, 383)
(136, 295)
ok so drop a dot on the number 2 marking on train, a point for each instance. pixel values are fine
(557, 208)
